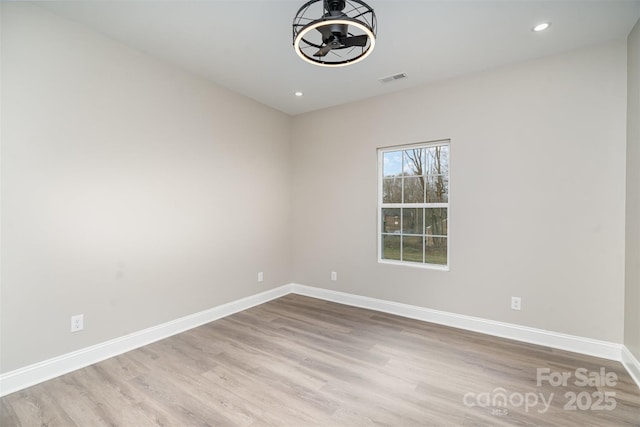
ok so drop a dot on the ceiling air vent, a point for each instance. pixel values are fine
(393, 78)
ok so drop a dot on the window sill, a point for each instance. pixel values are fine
(436, 267)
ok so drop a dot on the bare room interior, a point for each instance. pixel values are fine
(331, 213)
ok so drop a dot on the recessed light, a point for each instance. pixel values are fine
(298, 94)
(541, 27)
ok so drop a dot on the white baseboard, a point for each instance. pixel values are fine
(631, 364)
(33, 374)
(604, 349)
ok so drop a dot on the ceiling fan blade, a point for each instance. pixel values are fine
(355, 41)
(323, 50)
(325, 30)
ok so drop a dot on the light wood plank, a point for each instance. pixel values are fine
(298, 361)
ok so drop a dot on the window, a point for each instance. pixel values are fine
(413, 205)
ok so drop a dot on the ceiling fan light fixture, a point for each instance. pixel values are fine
(334, 33)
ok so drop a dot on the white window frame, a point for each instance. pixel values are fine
(380, 205)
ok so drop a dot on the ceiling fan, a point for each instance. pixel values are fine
(336, 36)
(343, 33)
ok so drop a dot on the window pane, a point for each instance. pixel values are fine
(437, 160)
(413, 204)
(414, 190)
(390, 247)
(437, 189)
(392, 163)
(435, 222)
(391, 221)
(414, 161)
(435, 250)
(412, 221)
(412, 248)
(392, 190)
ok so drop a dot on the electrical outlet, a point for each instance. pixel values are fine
(516, 303)
(77, 323)
(260, 276)
(334, 276)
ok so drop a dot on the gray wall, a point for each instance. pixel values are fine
(537, 193)
(132, 192)
(632, 277)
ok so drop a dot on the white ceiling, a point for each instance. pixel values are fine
(246, 46)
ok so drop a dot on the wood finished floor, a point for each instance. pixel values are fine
(298, 361)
